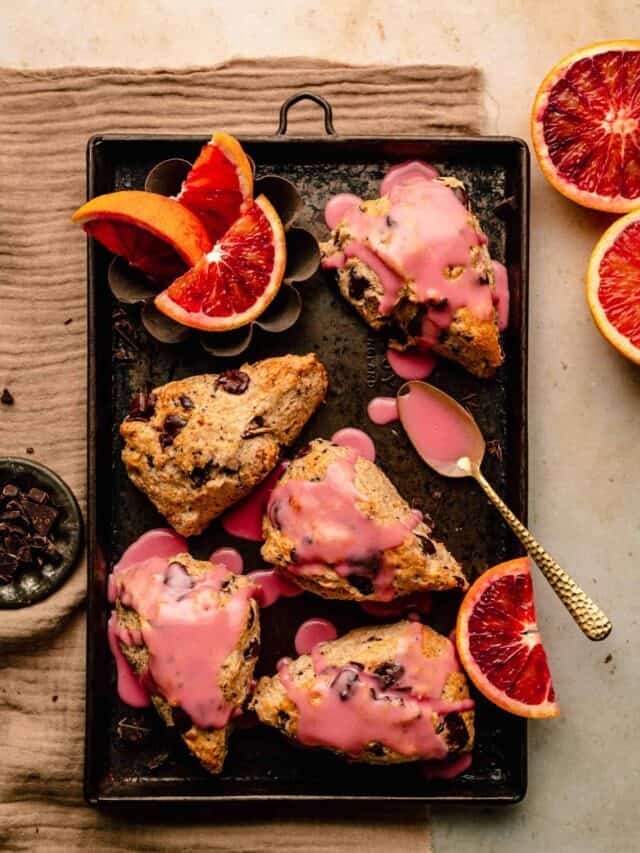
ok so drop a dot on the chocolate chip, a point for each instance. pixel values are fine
(484, 278)
(345, 681)
(457, 734)
(150, 461)
(426, 544)
(7, 398)
(201, 474)
(389, 673)
(142, 406)
(181, 720)
(283, 718)
(357, 286)
(252, 650)
(376, 749)
(356, 664)
(461, 195)
(293, 556)
(438, 304)
(362, 583)
(186, 402)
(170, 429)
(233, 381)
(390, 222)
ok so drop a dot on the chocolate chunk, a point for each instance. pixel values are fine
(426, 544)
(461, 195)
(201, 474)
(283, 718)
(457, 734)
(484, 278)
(181, 720)
(362, 583)
(253, 649)
(357, 286)
(186, 402)
(8, 567)
(345, 681)
(233, 381)
(389, 673)
(170, 429)
(438, 304)
(7, 398)
(142, 406)
(38, 496)
(10, 491)
(376, 749)
(42, 516)
(13, 543)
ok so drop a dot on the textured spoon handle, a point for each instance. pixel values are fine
(592, 621)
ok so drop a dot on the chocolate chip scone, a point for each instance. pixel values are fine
(415, 264)
(382, 695)
(336, 526)
(198, 445)
(191, 632)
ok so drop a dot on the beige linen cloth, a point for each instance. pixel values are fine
(46, 118)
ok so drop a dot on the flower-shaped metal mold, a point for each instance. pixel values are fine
(130, 286)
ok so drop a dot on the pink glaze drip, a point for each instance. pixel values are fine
(383, 410)
(437, 432)
(312, 632)
(501, 295)
(328, 528)
(348, 709)
(357, 440)
(229, 558)
(447, 769)
(270, 586)
(419, 602)
(412, 364)
(188, 636)
(403, 172)
(159, 542)
(244, 520)
(337, 207)
(391, 282)
(130, 690)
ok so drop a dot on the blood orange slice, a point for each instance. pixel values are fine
(613, 285)
(236, 281)
(219, 187)
(153, 233)
(585, 126)
(499, 643)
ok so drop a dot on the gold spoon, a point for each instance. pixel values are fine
(414, 400)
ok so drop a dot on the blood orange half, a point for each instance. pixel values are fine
(499, 643)
(613, 285)
(219, 187)
(585, 126)
(153, 233)
(237, 280)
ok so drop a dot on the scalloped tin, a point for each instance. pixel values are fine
(130, 286)
(37, 584)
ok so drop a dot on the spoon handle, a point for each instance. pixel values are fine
(590, 619)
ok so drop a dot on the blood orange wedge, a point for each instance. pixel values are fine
(236, 281)
(219, 187)
(585, 126)
(499, 643)
(613, 285)
(153, 233)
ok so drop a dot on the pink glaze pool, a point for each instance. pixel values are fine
(357, 440)
(244, 520)
(312, 632)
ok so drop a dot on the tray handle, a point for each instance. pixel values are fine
(308, 96)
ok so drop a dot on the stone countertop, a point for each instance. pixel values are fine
(584, 399)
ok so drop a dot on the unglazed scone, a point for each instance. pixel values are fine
(191, 632)
(382, 695)
(337, 526)
(198, 445)
(414, 262)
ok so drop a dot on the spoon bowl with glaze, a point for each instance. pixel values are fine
(449, 440)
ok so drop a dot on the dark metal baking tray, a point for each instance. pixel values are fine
(261, 765)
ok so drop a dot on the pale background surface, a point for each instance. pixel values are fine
(584, 399)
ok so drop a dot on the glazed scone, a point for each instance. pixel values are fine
(415, 263)
(382, 695)
(336, 526)
(231, 615)
(196, 446)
